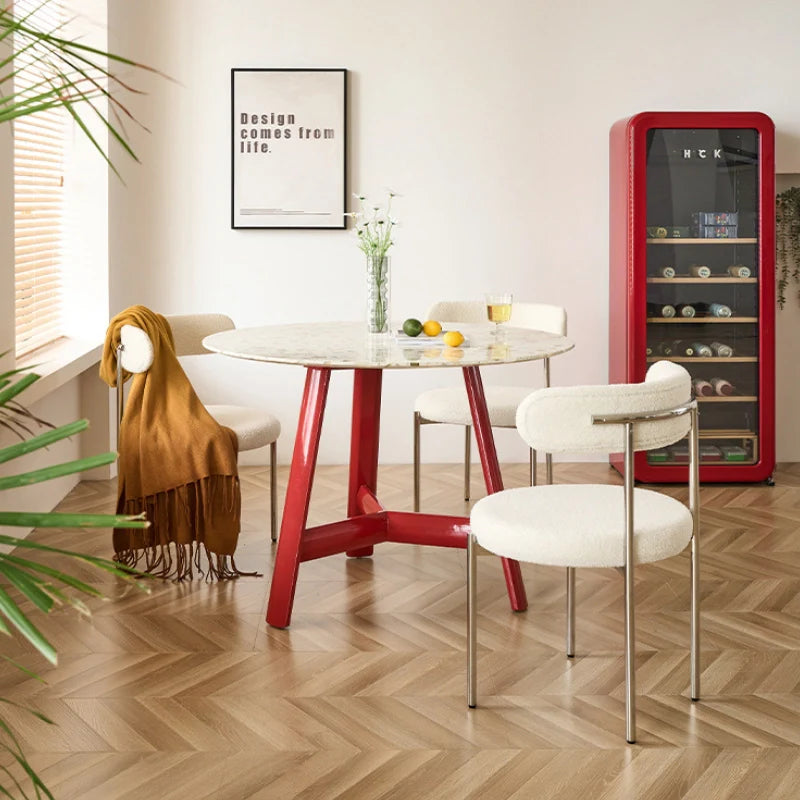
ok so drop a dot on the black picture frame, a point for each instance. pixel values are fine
(288, 148)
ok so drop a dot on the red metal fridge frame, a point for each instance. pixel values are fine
(628, 278)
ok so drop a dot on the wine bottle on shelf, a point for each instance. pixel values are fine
(702, 388)
(649, 350)
(681, 348)
(699, 271)
(664, 349)
(702, 350)
(722, 387)
(660, 310)
(721, 350)
(667, 272)
(714, 309)
(685, 310)
(739, 271)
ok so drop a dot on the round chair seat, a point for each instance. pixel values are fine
(579, 525)
(252, 426)
(452, 406)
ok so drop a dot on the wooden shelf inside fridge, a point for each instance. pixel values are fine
(735, 398)
(667, 240)
(712, 279)
(727, 433)
(705, 360)
(704, 320)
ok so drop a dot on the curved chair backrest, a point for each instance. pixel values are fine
(537, 316)
(560, 419)
(458, 311)
(136, 353)
(189, 330)
(540, 317)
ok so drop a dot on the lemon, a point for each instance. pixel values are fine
(453, 338)
(431, 327)
(412, 327)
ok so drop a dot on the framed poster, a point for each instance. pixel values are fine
(288, 148)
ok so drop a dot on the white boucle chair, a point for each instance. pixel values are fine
(451, 406)
(253, 427)
(597, 525)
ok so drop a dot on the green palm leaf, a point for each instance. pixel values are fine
(53, 72)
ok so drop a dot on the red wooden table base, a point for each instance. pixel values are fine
(368, 522)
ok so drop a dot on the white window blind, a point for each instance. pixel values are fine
(39, 146)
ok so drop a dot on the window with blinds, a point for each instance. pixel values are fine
(39, 158)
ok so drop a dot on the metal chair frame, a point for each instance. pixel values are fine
(629, 421)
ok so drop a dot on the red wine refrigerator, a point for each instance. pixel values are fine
(692, 279)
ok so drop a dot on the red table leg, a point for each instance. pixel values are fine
(491, 474)
(364, 437)
(298, 496)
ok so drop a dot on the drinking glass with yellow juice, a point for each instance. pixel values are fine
(498, 309)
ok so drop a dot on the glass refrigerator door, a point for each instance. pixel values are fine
(702, 281)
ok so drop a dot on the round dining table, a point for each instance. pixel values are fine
(324, 347)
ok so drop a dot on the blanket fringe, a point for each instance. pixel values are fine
(175, 545)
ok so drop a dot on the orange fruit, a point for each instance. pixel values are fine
(453, 338)
(431, 327)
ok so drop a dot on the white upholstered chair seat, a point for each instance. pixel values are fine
(253, 427)
(579, 525)
(450, 405)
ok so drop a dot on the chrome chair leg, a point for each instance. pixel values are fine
(548, 457)
(467, 456)
(416, 460)
(695, 624)
(273, 490)
(570, 612)
(630, 637)
(694, 503)
(533, 467)
(472, 622)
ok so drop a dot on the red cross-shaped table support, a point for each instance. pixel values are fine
(326, 347)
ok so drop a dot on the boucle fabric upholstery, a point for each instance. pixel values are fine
(538, 316)
(579, 525)
(253, 427)
(458, 311)
(451, 405)
(559, 419)
(137, 349)
(189, 330)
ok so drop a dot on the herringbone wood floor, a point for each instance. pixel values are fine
(186, 694)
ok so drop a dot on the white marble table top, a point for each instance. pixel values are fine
(346, 345)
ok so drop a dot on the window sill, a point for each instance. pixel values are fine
(58, 363)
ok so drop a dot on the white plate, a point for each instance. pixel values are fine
(423, 340)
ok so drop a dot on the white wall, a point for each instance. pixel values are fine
(491, 119)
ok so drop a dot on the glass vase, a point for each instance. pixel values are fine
(378, 294)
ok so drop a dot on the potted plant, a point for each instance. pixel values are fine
(787, 241)
(62, 73)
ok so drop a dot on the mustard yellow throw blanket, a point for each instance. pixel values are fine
(176, 463)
